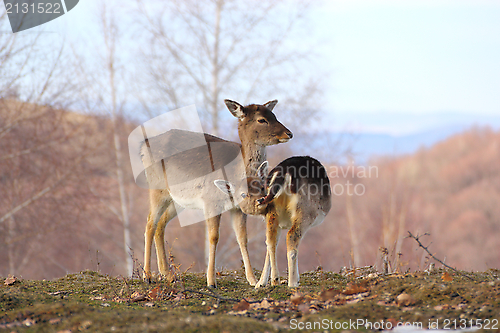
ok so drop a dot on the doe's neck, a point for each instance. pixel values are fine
(253, 156)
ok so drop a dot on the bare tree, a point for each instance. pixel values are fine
(201, 51)
(101, 75)
(44, 156)
(110, 33)
(42, 174)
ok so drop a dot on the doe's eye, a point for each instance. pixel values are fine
(262, 121)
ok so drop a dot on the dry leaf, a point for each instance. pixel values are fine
(241, 306)
(304, 308)
(315, 307)
(393, 321)
(29, 322)
(264, 304)
(153, 293)
(137, 297)
(354, 288)
(55, 321)
(180, 296)
(296, 298)
(85, 325)
(405, 300)
(446, 277)
(10, 280)
(325, 295)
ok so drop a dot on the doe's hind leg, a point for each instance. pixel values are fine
(149, 234)
(161, 255)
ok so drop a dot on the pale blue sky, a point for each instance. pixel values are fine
(384, 58)
(411, 58)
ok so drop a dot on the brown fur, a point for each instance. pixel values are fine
(257, 128)
(290, 204)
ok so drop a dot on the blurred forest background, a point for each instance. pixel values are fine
(68, 200)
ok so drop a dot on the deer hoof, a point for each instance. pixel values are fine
(147, 277)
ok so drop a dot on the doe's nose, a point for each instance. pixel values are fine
(290, 134)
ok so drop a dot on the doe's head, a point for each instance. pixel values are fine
(257, 124)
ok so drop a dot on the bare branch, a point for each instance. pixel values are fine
(417, 239)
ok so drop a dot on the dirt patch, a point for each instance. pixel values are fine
(360, 299)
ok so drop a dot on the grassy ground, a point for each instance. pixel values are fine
(89, 301)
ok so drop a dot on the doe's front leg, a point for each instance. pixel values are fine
(240, 229)
(213, 237)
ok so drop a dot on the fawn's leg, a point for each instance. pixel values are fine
(264, 278)
(272, 237)
(293, 238)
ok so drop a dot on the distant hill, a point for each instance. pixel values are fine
(368, 145)
(392, 134)
(450, 190)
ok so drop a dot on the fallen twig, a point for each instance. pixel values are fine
(417, 238)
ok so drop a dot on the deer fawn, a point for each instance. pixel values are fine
(297, 197)
(191, 185)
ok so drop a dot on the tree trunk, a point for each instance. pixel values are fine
(10, 245)
(123, 204)
(110, 37)
(353, 232)
(214, 95)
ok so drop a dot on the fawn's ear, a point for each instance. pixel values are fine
(262, 170)
(275, 189)
(235, 108)
(271, 104)
(225, 186)
(287, 184)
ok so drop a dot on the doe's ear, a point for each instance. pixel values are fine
(235, 108)
(271, 104)
(225, 186)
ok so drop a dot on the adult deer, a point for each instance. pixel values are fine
(297, 197)
(189, 184)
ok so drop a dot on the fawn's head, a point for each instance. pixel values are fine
(257, 124)
(248, 192)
